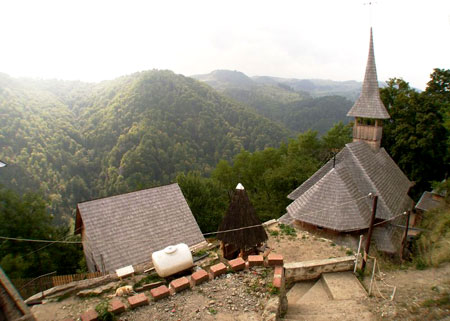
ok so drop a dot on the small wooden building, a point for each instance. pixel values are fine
(240, 214)
(126, 229)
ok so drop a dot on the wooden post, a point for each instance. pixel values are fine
(369, 234)
(405, 237)
(373, 274)
(357, 254)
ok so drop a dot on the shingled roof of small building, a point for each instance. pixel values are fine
(428, 202)
(369, 104)
(126, 229)
(337, 197)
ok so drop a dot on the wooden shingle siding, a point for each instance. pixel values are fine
(126, 229)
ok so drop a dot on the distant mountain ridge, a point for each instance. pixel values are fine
(298, 104)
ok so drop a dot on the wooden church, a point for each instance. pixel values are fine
(335, 199)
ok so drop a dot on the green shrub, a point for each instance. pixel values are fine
(103, 313)
(274, 233)
(288, 230)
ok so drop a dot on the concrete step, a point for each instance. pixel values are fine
(364, 316)
(343, 286)
(328, 307)
(316, 294)
(298, 290)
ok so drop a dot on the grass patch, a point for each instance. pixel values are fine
(272, 289)
(200, 252)
(432, 245)
(148, 279)
(212, 311)
(103, 313)
(349, 252)
(288, 230)
(274, 233)
(443, 302)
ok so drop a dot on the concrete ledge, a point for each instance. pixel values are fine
(308, 270)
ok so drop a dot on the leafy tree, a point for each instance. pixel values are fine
(27, 217)
(415, 135)
(206, 198)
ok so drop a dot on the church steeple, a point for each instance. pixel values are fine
(369, 110)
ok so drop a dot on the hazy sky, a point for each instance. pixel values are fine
(95, 40)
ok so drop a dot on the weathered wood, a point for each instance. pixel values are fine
(369, 234)
(405, 237)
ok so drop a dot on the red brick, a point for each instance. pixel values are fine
(199, 277)
(116, 306)
(138, 300)
(279, 270)
(90, 315)
(160, 292)
(255, 260)
(237, 264)
(180, 284)
(274, 259)
(277, 281)
(218, 269)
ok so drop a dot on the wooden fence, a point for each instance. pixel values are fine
(28, 287)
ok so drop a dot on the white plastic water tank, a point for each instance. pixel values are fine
(172, 259)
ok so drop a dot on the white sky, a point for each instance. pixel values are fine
(96, 39)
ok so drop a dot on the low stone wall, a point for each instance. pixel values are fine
(309, 270)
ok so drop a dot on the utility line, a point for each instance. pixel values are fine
(63, 241)
(38, 241)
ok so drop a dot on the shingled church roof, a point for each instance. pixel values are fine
(336, 197)
(369, 104)
(358, 171)
(126, 229)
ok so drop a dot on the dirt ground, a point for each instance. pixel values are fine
(419, 294)
(233, 296)
(303, 246)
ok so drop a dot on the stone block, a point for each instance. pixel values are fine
(180, 284)
(90, 315)
(160, 292)
(218, 269)
(116, 306)
(255, 260)
(138, 300)
(199, 276)
(274, 259)
(237, 264)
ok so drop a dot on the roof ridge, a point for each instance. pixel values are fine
(127, 193)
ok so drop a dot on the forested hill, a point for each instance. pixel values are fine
(297, 104)
(76, 141)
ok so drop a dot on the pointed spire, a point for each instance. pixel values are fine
(240, 186)
(369, 104)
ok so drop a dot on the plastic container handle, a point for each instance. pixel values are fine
(170, 249)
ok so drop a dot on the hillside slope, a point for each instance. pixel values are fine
(75, 141)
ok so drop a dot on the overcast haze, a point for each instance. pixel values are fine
(97, 40)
